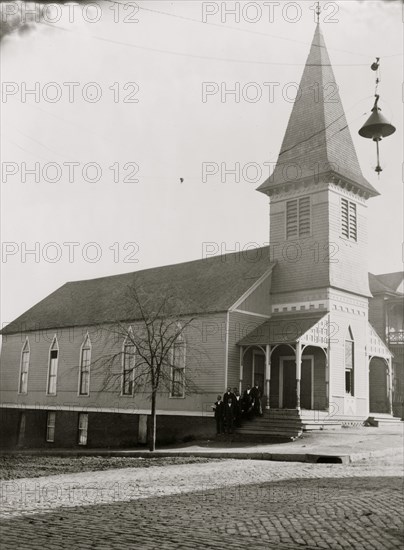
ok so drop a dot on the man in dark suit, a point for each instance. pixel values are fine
(218, 408)
(228, 395)
(229, 411)
(238, 407)
(256, 397)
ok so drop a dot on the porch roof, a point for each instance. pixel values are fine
(284, 328)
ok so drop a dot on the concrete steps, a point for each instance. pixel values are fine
(274, 423)
(318, 420)
(377, 420)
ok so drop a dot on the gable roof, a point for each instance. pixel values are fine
(386, 283)
(197, 287)
(317, 140)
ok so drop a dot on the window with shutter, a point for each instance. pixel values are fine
(85, 360)
(178, 359)
(53, 367)
(129, 362)
(348, 220)
(291, 219)
(304, 217)
(23, 386)
(298, 218)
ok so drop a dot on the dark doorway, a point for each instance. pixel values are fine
(378, 397)
(259, 371)
(289, 384)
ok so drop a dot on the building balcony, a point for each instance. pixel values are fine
(395, 337)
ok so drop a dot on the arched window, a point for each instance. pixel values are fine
(24, 366)
(128, 364)
(53, 367)
(349, 362)
(84, 372)
(178, 354)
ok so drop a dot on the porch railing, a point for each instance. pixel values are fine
(395, 337)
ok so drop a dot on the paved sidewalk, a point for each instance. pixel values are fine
(344, 445)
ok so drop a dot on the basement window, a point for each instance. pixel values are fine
(83, 428)
(50, 426)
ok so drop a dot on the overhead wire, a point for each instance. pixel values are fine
(238, 29)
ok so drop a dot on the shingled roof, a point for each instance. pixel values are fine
(202, 286)
(385, 283)
(317, 138)
(282, 328)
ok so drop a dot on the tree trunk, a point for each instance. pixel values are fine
(152, 435)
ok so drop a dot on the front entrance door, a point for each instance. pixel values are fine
(287, 383)
(306, 384)
(378, 397)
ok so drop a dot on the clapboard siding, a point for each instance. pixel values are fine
(348, 252)
(319, 377)
(340, 321)
(240, 324)
(205, 340)
(301, 262)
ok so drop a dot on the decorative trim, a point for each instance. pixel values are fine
(251, 313)
(301, 306)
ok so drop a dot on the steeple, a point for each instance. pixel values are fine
(317, 143)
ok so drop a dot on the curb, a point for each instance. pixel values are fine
(311, 458)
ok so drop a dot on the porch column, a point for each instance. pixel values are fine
(298, 373)
(268, 373)
(241, 369)
(327, 381)
(390, 386)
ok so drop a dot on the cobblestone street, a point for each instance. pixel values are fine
(237, 503)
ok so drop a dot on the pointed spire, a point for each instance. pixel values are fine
(317, 140)
(318, 12)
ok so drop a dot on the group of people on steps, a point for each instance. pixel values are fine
(230, 409)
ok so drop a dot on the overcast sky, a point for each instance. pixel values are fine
(170, 132)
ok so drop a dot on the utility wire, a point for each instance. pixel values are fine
(238, 29)
(211, 58)
(315, 147)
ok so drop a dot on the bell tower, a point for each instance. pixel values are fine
(318, 198)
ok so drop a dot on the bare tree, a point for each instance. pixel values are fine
(148, 354)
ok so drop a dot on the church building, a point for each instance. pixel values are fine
(293, 316)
